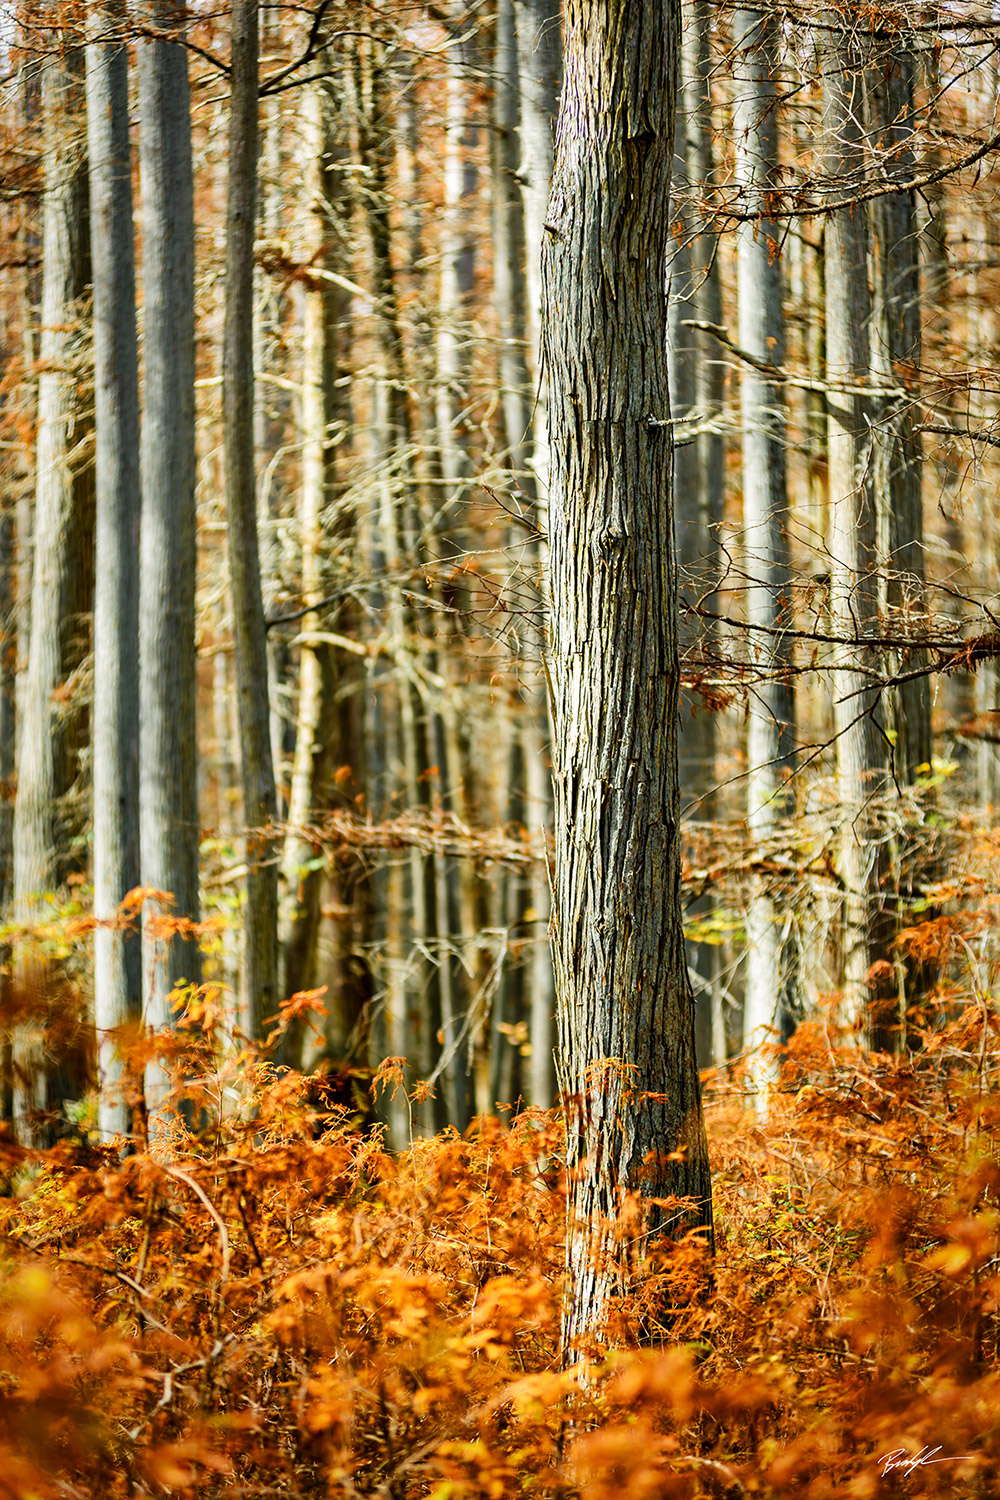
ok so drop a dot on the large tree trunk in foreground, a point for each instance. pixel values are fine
(117, 968)
(259, 797)
(168, 793)
(626, 1016)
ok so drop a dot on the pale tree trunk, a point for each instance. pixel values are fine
(984, 340)
(454, 891)
(896, 359)
(508, 252)
(954, 692)
(269, 307)
(626, 1014)
(694, 539)
(259, 799)
(324, 307)
(698, 69)
(405, 1025)
(117, 953)
(769, 1000)
(168, 793)
(43, 770)
(539, 62)
(539, 66)
(299, 886)
(515, 896)
(861, 760)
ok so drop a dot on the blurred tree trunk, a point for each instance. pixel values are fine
(259, 797)
(270, 298)
(325, 708)
(168, 793)
(62, 578)
(896, 361)
(539, 66)
(769, 998)
(692, 279)
(626, 1012)
(395, 760)
(539, 62)
(117, 952)
(509, 289)
(861, 760)
(710, 376)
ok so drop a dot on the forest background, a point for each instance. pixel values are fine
(369, 836)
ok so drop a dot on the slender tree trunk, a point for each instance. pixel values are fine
(508, 252)
(168, 793)
(698, 67)
(269, 307)
(770, 970)
(539, 65)
(539, 61)
(59, 566)
(407, 1022)
(117, 954)
(259, 800)
(861, 762)
(316, 737)
(896, 361)
(626, 1015)
(694, 541)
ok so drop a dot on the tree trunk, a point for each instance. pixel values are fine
(168, 793)
(317, 736)
(769, 995)
(626, 1017)
(508, 252)
(61, 498)
(539, 66)
(259, 800)
(861, 763)
(117, 954)
(896, 360)
(695, 541)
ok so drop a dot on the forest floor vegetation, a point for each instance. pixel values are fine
(277, 1305)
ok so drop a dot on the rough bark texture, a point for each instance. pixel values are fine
(61, 571)
(768, 997)
(861, 763)
(168, 793)
(259, 801)
(117, 968)
(626, 1017)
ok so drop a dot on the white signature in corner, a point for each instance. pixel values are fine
(900, 1459)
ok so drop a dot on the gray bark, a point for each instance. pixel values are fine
(861, 761)
(769, 993)
(508, 251)
(626, 1016)
(897, 357)
(44, 769)
(168, 801)
(539, 64)
(117, 966)
(318, 723)
(259, 798)
(693, 289)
